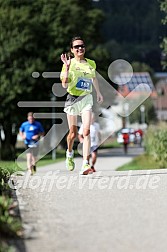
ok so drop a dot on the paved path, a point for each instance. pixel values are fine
(107, 211)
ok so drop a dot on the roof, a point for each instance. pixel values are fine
(130, 83)
(160, 74)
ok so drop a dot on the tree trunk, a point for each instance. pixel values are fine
(8, 144)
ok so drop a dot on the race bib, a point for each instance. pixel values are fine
(84, 84)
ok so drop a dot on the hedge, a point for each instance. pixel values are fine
(156, 144)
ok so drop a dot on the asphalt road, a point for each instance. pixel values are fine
(107, 211)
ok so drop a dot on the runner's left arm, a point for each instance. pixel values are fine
(96, 86)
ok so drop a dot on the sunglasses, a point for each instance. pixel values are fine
(79, 46)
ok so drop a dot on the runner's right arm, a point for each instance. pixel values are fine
(65, 70)
(22, 134)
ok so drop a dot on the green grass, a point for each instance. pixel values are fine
(11, 166)
(142, 162)
(47, 160)
(110, 145)
(60, 156)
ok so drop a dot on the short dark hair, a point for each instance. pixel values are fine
(75, 38)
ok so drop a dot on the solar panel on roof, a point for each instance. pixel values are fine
(137, 78)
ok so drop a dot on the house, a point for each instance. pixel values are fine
(133, 84)
(160, 102)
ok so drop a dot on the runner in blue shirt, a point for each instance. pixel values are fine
(30, 131)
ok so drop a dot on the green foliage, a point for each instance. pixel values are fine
(142, 162)
(163, 7)
(156, 144)
(4, 176)
(9, 225)
(33, 36)
(141, 67)
(100, 53)
(132, 30)
(5, 171)
(150, 113)
(5, 248)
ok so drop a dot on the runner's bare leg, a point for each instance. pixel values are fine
(86, 120)
(72, 124)
(29, 161)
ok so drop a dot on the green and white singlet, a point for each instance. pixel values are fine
(80, 77)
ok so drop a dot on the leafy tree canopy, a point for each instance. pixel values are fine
(163, 6)
(133, 30)
(33, 36)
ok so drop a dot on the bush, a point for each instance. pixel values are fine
(4, 176)
(10, 224)
(156, 144)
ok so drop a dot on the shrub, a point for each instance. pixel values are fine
(4, 176)
(10, 224)
(156, 144)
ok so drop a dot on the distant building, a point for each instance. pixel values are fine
(161, 101)
(133, 83)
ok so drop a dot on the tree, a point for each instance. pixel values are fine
(133, 30)
(142, 67)
(150, 113)
(33, 35)
(163, 7)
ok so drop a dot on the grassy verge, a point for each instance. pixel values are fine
(47, 160)
(142, 162)
(11, 166)
(110, 143)
(60, 155)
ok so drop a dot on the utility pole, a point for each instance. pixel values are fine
(53, 99)
(142, 110)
